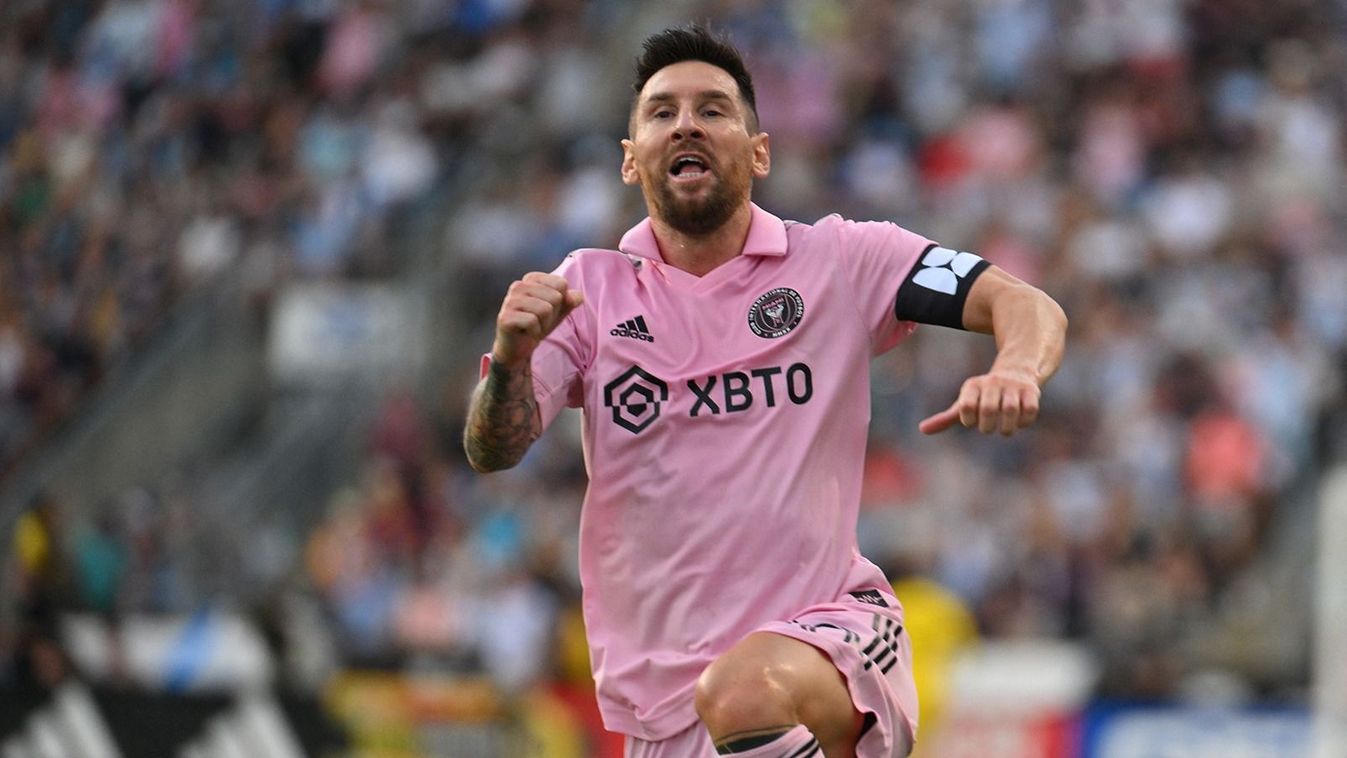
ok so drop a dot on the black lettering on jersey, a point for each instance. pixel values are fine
(806, 381)
(737, 390)
(737, 398)
(703, 396)
(883, 649)
(937, 287)
(848, 636)
(870, 596)
(766, 375)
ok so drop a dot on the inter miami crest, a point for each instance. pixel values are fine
(776, 313)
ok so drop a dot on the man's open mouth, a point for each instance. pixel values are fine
(689, 167)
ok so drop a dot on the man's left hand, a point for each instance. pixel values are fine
(1001, 400)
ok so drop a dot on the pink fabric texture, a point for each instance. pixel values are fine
(725, 428)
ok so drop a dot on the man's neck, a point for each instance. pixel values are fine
(699, 255)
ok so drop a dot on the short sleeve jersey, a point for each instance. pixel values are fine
(725, 422)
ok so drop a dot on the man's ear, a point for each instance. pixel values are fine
(762, 155)
(630, 175)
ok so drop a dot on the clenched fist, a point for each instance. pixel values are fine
(533, 307)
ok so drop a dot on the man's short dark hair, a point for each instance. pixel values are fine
(695, 43)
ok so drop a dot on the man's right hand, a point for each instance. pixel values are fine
(533, 307)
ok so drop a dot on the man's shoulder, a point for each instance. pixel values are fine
(837, 223)
(833, 231)
(597, 261)
(801, 232)
(837, 233)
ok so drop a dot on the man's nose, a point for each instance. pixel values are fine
(687, 126)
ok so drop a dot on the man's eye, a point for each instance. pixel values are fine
(712, 113)
(663, 114)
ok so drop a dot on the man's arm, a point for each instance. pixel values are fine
(1030, 332)
(503, 416)
(502, 419)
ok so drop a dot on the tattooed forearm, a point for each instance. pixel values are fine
(502, 420)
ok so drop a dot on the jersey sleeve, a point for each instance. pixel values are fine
(877, 257)
(561, 360)
(902, 279)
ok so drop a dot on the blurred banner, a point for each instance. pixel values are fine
(103, 721)
(210, 650)
(1013, 699)
(390, 714)
(1194, 732)
(1033, 700)
(1330, 655)
(1008, 735)
(393, 715)
(324, 333)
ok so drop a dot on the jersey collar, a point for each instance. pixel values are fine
(766, 236)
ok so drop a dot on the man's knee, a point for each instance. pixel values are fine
(769, 681)
(744, 692)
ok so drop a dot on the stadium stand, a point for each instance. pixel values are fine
(1171, 172)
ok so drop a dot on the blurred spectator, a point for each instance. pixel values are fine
(41, 576)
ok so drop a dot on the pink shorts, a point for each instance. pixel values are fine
(863, 636)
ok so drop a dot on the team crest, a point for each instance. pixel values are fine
(776, 313)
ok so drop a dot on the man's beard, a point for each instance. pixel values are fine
(701, 216)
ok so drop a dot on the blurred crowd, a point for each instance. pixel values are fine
(156, 150)
(1169, 170)
(150, 146)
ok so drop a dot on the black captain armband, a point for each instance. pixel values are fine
(936, 288)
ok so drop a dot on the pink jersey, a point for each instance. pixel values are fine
(725, 426)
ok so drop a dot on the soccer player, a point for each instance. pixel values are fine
(721, 356)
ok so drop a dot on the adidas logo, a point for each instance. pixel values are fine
(944, 268)
(255, 726)
(634, 328)
(70, 725)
